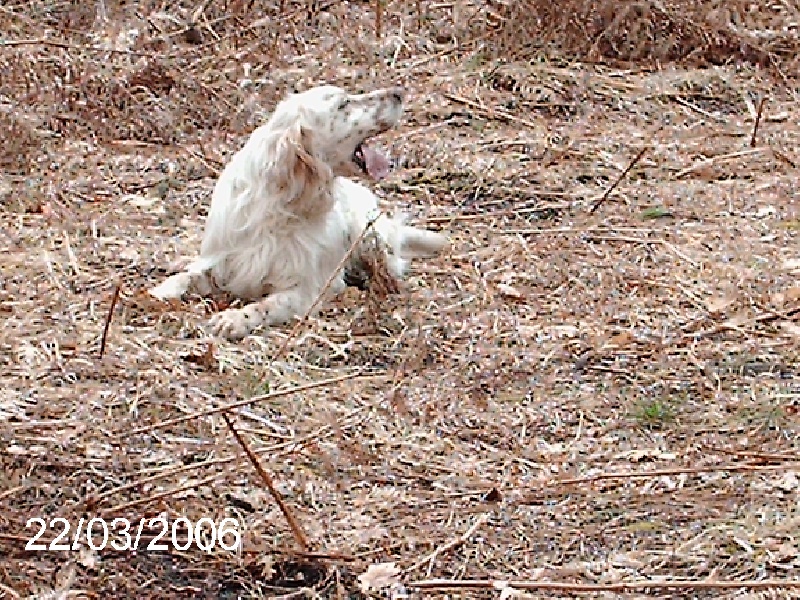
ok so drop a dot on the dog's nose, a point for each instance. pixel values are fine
(397, 94)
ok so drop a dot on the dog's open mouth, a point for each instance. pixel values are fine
(371, 162)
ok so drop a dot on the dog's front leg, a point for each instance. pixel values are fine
(275, 309)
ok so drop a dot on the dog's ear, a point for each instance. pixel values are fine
(306, 178)
(305, 165)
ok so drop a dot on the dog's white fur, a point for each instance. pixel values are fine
(283, 217)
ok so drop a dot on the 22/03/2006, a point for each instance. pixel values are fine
(96, 533)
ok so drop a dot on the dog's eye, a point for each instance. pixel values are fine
(343, 104)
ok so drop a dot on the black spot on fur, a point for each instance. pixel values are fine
(357, 276)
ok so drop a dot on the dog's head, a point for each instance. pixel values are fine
(315, 135)
(334, 126)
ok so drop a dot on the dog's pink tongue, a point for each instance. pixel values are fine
(376, 162)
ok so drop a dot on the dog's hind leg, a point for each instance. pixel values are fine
(421, 243)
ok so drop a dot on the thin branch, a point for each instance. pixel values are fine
(302, 320)
(762, 318)
(614, 185)
(708, 162)
(110, 313)
(451, 544)
(85, 48)
(759, 112)
(248, 402)
(756, 455)
(117, 510)
(626, 586)
(92, 501)
(297, 531)
(655, 473)
(491, 113)
(273, 450)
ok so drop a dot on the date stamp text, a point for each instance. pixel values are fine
(155, 534)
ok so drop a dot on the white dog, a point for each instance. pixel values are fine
(283, 217)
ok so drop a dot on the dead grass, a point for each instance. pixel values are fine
(585, 400)
(695, 32)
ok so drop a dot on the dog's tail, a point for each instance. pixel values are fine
(421, 243)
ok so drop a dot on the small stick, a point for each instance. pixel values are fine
(756, 455)
(378, 18)
(296, 329)
(68, 46)
(274, 449)
(747, 468)
(116, 510)
(716, 159)
(319, 555)
(240, 403)
(759, 112)
(11, 492)
(613, 186)
(426, 59)
(624, 586)
(491, 113)
(93, 500)
(114, 299)
(451, 544)
(299, 536)
(695, 108)
(762, 318)
(216, 170)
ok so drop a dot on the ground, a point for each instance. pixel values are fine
(596, 387)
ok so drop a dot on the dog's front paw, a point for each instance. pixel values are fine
(174, 286)
(235, 323)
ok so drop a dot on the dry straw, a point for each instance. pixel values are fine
(593, 392)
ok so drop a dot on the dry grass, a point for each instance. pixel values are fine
(568, 398)
(652, 32)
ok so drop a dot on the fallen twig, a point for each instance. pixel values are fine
(450, 545)
(92, 501)
(619, 179)
(762, 318)
(633, 240)
(459, 46)
(759, 112)
(491, 113)
(683, 102)
(625, 586)
(116, 510)
(85, 48)
(297, 531)
(655, 473)
(302, 320)
(249, 401)
(756, 455)
(110, 313)
(714, 159)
